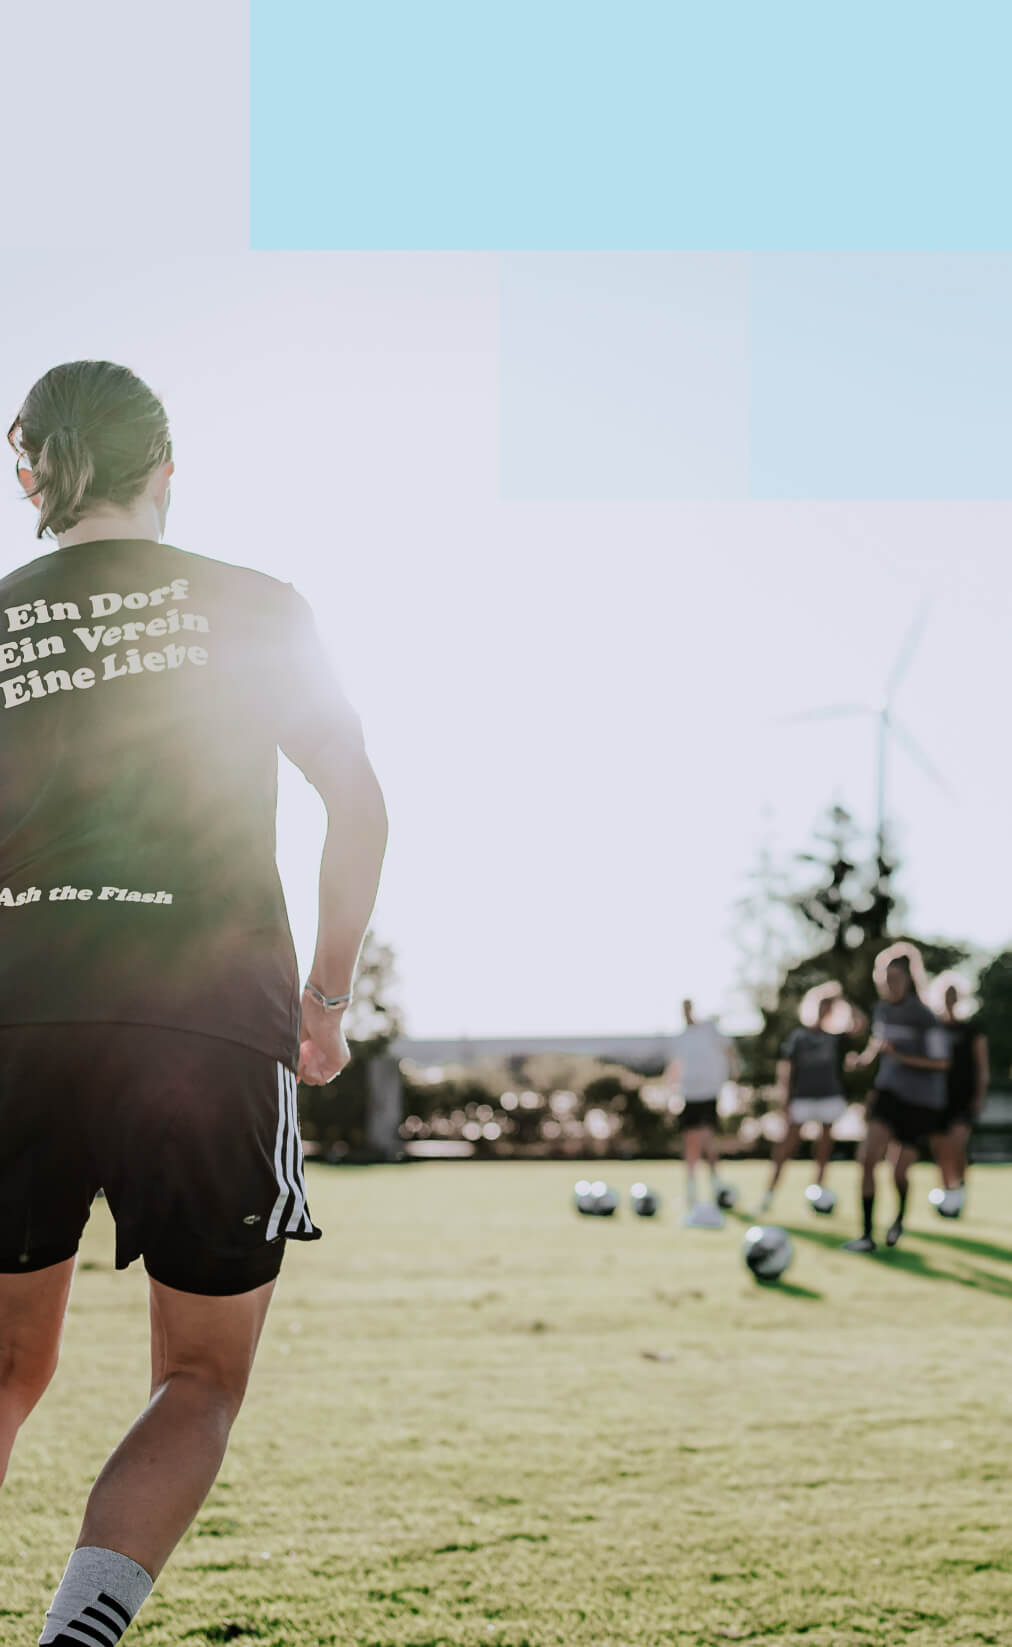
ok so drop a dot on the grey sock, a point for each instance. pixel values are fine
(98, 1596)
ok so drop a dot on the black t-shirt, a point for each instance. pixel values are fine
(962, 1081)
(912, 1028)
(143, 693)
(816, 1059)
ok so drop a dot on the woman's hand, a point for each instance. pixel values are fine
(323, 1048)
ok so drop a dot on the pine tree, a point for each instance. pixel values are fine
(850, 910)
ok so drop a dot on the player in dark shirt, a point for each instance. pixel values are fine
(969, 1075)
(908, 1101)
(810, 1079)
(152, 1028)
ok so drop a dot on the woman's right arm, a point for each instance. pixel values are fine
(353, 852)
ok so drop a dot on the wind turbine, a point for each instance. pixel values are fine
(888, 725)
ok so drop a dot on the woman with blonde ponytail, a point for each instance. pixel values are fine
(907, 1105)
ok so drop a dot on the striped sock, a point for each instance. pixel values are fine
(99, 1594)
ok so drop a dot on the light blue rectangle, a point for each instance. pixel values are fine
(624, 375)
(423, 124)
(719, 375)
(881, 375)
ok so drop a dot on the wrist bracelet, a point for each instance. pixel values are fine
(328, 1002)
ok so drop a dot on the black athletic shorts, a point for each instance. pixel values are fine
(698, 1112)
(910, 1124)
(959, 1111)
(194, 1140)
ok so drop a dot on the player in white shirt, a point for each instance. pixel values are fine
(702, 1062)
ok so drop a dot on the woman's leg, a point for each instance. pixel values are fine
(873, 1150)
(905, 1158)
(823, 1151)
(32, 1309)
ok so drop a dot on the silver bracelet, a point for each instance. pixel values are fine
(328, 1002)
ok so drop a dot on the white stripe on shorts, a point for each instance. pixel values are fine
(294, 1157)
(284, 1187)
(300, 1164)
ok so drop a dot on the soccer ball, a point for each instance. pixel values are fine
(820, 1200)
(596, 1200)
(767, 1251)
(583, 1198)
(645, 1202)
(605, 1199)
(727, 1197)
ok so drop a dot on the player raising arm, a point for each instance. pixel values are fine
(908, 1101)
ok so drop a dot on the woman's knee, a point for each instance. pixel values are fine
(25, 1374)
(208, 1383)
(211, 1341)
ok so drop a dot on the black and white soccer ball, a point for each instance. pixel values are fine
(597, 1199)
(820, 1200)
(583, 1199)
(645, 1201)
(767, 1251)
(726, 1197)
(606, 1199)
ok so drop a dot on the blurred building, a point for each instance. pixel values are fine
(638, 1051)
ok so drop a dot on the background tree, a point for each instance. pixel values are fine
(373, 1020)
(848, 910)
(334, 1116)
(764, 926)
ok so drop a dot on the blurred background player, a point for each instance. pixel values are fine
(908, 1102)
(703, 1061)
(810, 1078)
(968, 1079)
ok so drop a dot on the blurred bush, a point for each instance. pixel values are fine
(548, 1105)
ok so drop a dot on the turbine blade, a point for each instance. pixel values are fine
(835, 711)
(919, 758)
(909, 647)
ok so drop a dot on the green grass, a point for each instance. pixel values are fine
(455, 1435)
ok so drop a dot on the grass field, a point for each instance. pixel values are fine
(456, 1434)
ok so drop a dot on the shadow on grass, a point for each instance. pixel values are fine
(966, 1244)
(793, 1290)
(910, 1260)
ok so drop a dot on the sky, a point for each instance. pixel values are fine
(572, 701)
(580, 528)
